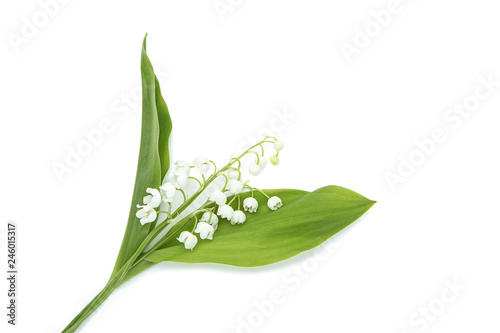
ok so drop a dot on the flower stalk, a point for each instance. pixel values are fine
(149, 213)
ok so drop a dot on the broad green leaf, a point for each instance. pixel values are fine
(154, 158)
(306, 220)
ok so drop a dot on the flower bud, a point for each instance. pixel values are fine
(278, 145)
(275, 159)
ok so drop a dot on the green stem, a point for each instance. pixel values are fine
(258, 157)
(195, 224)
(86, 312)
(175, 229)
(113, 283)
(164, 212)
(215, 166)
(225, 184)
(183, 193)
(194, 178)
(188, 202)
(258, 189)
(231, 201)
(117, 279)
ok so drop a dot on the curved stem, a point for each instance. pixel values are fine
(258, 157)
(183, 194)
(258, 189)
(164, 212)
(225, 184)
(215, 166)
(194, 178)
(195, 224)
(270, 137)
(230, 202)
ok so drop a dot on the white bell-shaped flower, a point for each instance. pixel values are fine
(233, 173)
(179, 178)
(188, 239)
(167, 192)
(254, 169)
(205, 230)
(250, 205)
(146, 214)
(262, 162)
(182, 166)
(218, 197)
(238, 217)
(154, 200)
(235, 186)
(202, 164)
(279, 145)
(210, 218)
(274, 203)
(225, 211)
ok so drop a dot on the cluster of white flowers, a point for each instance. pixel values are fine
(147, 212)
(207, 224)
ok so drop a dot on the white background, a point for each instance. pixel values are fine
(223, 80)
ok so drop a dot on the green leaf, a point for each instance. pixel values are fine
(306, 220)
(140, 267)
(165, 129)
(154, 159)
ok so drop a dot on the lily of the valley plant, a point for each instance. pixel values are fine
(202, 212)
